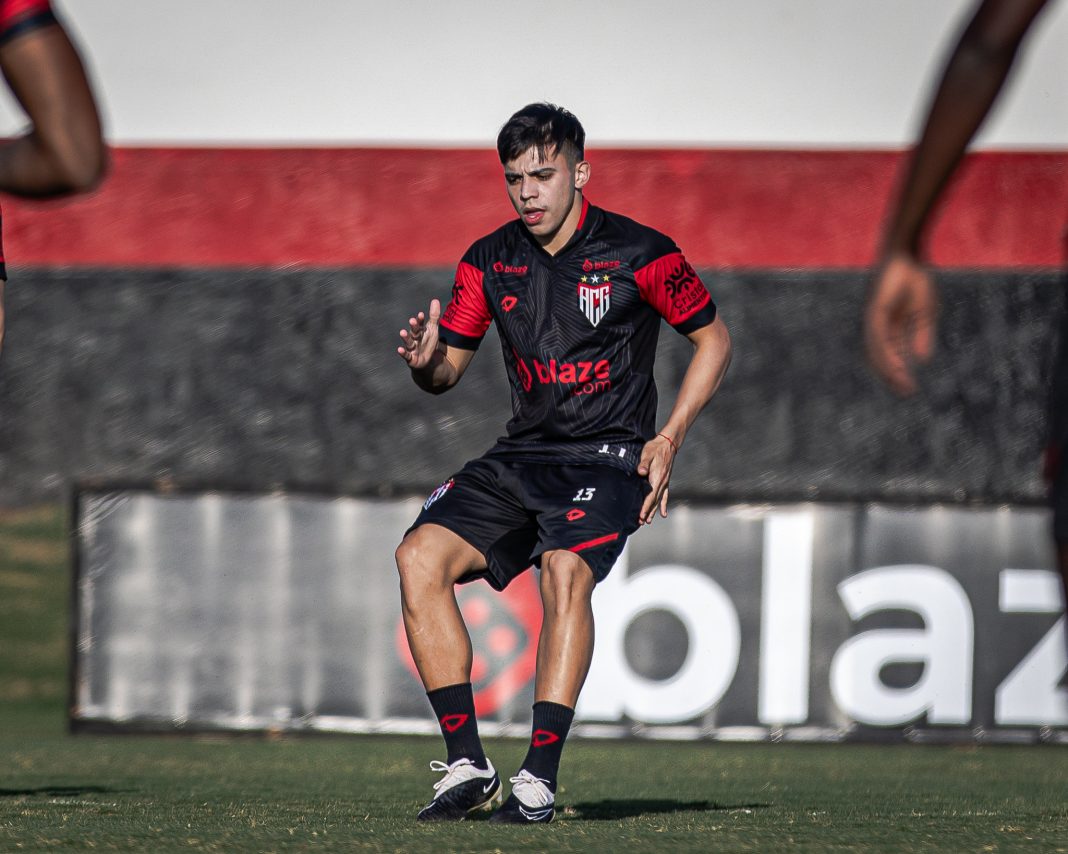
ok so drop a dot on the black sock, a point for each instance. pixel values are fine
(454, 707)
(551, 724)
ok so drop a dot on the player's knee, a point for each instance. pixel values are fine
(414, 564)
(566, 580)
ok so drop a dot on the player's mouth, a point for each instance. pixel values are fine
(533, 217)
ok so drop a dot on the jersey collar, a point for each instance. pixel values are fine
(586, 220)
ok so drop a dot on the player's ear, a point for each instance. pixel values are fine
(582, 174)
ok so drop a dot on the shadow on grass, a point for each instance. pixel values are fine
(56, 791)
(609, 810)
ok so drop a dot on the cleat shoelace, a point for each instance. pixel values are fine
(531, 791)
(460, 771)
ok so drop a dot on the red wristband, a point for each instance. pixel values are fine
(674, 447)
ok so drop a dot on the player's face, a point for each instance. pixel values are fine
(544, 192)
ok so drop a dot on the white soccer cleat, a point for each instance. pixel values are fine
(531, 801)
(464, 789)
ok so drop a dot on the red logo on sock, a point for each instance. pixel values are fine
(542, 737)
(451, 723)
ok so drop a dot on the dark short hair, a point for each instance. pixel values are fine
(547, 128)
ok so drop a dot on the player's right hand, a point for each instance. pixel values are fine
(900, 321)
(420, 339)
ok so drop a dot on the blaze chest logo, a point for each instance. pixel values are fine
(594, 297)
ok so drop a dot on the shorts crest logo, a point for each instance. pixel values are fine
(437, 493)
(594, 297)
(509, 302)
(574, 514)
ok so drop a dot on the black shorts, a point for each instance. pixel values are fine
(513, 512)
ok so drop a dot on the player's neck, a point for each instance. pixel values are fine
(556, 241)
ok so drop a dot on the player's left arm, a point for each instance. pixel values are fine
(711, 357)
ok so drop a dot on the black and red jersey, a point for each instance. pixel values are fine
(578, 330)
(20, 16)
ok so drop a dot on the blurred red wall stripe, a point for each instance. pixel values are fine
(197, 207)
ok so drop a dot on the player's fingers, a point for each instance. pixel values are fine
(435, 312)
(664, 503)
(885, 356)
(924, 326)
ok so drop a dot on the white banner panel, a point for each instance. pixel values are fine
(801, 622)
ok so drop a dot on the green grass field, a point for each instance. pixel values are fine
(135, 793)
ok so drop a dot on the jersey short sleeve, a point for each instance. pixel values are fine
(21, 16)
(671, 286)
(467, 317)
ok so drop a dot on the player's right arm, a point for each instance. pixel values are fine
(902, 305)
(63, 152)
(436, 367)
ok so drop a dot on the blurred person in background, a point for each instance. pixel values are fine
(578, 295)
(902, 308)
(63, 150)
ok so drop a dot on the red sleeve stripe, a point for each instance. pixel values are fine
(600, 541)
(467, 313)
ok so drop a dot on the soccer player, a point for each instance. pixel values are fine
(577, 294)
(63, 151)
(902, 307)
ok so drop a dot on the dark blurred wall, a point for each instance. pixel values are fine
(262, 378)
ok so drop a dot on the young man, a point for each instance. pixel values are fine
(902, 308)
(577, 294)
(63, 151)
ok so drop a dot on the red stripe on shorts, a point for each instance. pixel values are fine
(589, 544)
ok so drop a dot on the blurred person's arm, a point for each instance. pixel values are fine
(902, 307)
(63, 151)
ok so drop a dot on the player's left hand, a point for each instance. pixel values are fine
(657, 460)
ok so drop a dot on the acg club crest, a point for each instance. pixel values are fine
(594, 297)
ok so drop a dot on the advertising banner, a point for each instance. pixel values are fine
(219, 610)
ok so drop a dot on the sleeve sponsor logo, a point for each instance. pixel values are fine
(501, 267)
(683, 286)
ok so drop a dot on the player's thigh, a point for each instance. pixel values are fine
(477, 506)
